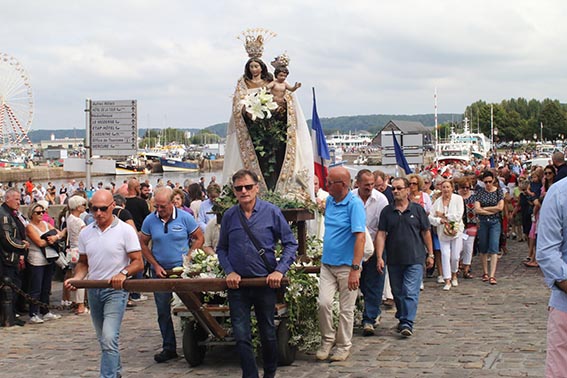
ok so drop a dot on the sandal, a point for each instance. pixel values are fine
(485, 277)
(468, 275)
(531, 264)
(492, 281)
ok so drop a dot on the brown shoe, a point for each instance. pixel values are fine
(388, 303)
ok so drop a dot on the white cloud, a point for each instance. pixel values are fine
(181, 59)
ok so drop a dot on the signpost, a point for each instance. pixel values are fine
(114, 127)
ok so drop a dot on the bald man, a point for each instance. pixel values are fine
(109, 250)
(343, 249)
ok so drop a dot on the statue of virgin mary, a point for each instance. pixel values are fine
(278, 149)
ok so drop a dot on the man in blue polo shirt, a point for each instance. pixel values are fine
(240, 258)
(172, 233)
(343, 248)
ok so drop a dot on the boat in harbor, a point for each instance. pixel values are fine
(349, 141)
(171, 164)
(463, 147)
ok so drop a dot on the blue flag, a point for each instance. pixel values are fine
(321, 142)
(400, 158)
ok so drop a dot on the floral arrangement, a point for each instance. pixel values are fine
(450, 228)
(259, 104)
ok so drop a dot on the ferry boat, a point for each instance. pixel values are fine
(462, 147)
(349, 141)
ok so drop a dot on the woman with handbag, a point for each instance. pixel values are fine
(447, 216)
(471, 225)
(41, 258)
(489, 203)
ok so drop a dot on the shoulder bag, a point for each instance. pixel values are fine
(261, 251)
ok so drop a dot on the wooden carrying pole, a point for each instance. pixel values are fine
(178, 285)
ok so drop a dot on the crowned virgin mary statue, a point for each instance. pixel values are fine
(271, 139)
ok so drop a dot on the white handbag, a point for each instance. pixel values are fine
(368, 246)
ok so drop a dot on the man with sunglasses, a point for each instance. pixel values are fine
(173, 233)
(403, 230)
(254, 222)
(109, 250)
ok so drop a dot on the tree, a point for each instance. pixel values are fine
(553, 119)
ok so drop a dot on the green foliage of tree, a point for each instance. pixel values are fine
(205, 137)
(518, 119)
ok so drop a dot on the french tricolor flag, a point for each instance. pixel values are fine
(321, 155)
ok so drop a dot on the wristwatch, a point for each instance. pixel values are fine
(355, 267)
(124, 272)
(430, 256)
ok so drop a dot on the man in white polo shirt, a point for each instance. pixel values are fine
(109, 250)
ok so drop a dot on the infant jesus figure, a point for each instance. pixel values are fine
(278, 87)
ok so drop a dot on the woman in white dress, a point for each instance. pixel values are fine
(447, 215)
(291, 165)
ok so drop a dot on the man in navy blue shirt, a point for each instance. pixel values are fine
(239, 258)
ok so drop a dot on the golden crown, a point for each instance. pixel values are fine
(281, 60)
(254, 40)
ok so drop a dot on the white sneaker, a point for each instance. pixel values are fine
(141, 299)
(447, 287)
(36, 320)
(323, 352)
(440, 280)
(377, 322)
(340, 355)
(454, 283)
(421, 287)
(51, 316)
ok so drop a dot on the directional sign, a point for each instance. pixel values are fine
(114, 127)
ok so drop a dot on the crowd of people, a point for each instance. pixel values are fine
(432, 224)
(428, 224)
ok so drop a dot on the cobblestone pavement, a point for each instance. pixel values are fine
(473, 330)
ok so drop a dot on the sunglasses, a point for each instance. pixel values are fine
(488, 182)
(39, 212)
(414, 183)
(548, 173)
(398, 188)
(329, 183)
(94, 209)
(248, 187)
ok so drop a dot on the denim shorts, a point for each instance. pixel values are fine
(489, 236)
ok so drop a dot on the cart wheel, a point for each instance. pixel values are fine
(193, 352)
(286, 352)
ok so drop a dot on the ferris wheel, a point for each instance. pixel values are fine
(16, 103)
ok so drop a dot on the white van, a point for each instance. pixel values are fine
(542, 162)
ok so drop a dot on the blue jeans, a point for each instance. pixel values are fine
(264, 301)
(163, 306)
(405, 281)
(489, 236)
(372, 287)
(40, 287)
(107, 309)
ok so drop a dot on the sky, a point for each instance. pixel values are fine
(181, 59)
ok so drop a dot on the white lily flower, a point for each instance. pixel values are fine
(256, 111)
